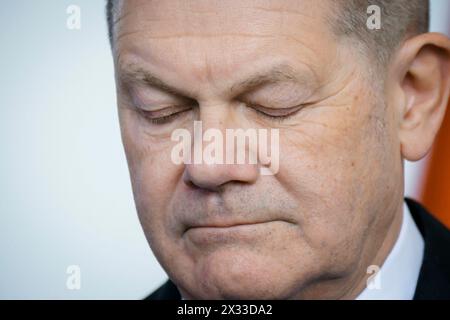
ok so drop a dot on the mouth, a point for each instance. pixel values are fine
(226, 226)
(224, 233)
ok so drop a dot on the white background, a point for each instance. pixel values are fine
(65, 192)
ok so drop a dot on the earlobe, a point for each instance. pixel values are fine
(425, 85)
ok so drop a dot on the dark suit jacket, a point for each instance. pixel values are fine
(434, 277)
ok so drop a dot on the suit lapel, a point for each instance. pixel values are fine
(434, 277)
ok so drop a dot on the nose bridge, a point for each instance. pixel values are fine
(216, 115)
(210, 168)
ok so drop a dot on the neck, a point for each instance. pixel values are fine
(381, 238)
(386, 244)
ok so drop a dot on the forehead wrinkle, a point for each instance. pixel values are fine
(306, 48)
(280, 9)
(177, 36)
(221, 15)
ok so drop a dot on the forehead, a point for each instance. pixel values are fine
(210, 40)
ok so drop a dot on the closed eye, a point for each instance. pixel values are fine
(164, 116)
(276, 114)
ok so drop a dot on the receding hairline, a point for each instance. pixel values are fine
(399, 20)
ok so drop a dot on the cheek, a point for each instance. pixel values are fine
(154, 177)
(321, 158)
(332, 164)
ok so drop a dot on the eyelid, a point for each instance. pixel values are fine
(164, 111)
(144, 98)
(166, 117)
(276, 112)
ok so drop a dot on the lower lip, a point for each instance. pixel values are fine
(243, 232)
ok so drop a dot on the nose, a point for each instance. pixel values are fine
(213, 176)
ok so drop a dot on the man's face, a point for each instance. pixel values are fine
(226, 231)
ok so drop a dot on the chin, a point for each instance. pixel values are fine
(239, 274)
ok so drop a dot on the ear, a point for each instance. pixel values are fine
(422, 73)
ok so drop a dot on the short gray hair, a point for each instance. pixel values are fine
(400, 19)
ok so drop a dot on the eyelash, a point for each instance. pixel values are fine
(164, 119)
(280, 118)
(173, 116)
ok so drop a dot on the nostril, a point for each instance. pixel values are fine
(214, 177)
(207, 179)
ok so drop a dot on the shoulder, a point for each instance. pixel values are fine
(434, 277)
(167, 291)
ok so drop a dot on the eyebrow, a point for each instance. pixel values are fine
(135, 74)
(276, 74)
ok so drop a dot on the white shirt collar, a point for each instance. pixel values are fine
(397, 277)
